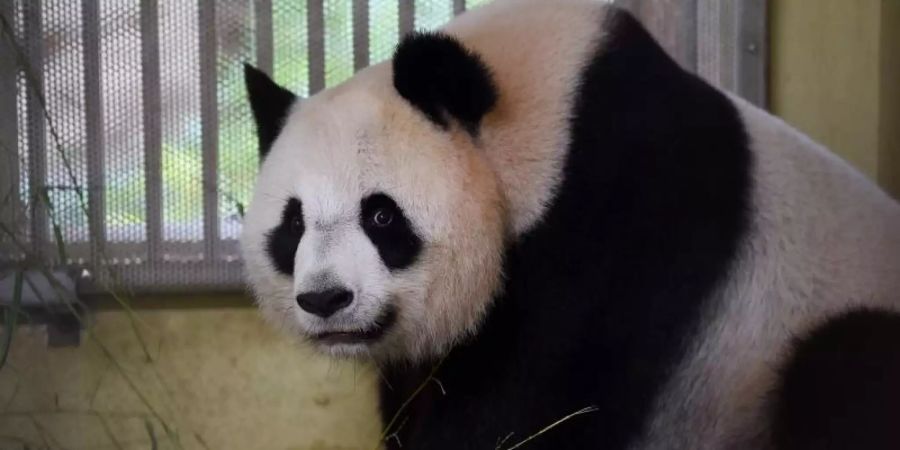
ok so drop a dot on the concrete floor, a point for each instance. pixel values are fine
(218, 379)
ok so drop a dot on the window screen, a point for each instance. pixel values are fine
(128, 151)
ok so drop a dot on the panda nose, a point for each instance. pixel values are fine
(324, 303)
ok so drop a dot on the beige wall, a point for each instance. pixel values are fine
(834, 74)
(219, 377)
(889, 170)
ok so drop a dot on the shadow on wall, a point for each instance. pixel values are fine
(217, 379)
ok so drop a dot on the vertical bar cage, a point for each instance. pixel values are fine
(130, 141)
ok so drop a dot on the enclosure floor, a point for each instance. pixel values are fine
(218, 379)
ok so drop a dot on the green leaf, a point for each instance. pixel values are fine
(11, 317)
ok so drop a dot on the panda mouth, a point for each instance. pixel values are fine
(365, 336)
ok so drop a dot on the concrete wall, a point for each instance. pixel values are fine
(835, 74)
(219, 378)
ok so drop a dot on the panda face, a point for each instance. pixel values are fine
(371, 230)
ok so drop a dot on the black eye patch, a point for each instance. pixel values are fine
(386, 226)
(283, 240)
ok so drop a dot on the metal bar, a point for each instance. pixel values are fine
(752, 50)
(315, 24)
(710, 46)
(209, 116)
(360, 34)
(152, 101)
(459, 7)
(93, 111)
(9, 126)
(727, 45)
(37, 148)
(264, 36)
(687, 14)
(407, 15)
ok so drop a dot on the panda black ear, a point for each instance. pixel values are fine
(443, 79)
(270, 104)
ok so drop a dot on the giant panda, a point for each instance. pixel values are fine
(535, 210)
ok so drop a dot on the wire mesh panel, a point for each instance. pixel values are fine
(469, 4)
(64, 192)
(338, 30)
(432, 13)
(10, 155)
(291, 45)
(237, 155)
(122, 125)
(179, 80)
(384, 29)
(132, 152)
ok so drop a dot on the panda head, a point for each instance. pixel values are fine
(377, 226)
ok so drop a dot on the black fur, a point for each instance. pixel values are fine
(440, 77)
(282, 241)
(604, 294)
(270, 104)
(397, 243)
(840, 389)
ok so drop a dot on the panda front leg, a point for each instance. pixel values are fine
(840, 386)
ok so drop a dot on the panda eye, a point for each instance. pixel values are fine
(297, 225)
(382, 217)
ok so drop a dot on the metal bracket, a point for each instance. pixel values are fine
(54, 304)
